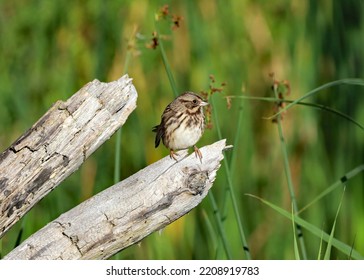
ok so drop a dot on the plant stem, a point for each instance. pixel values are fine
(220, 227)
(166, 63)
(117, 159)
(287, 171)
(231, 190)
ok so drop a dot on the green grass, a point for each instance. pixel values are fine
(280, 89)
(50, 50)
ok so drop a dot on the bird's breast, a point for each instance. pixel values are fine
(185, 133)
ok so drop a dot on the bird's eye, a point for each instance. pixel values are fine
(194, 101)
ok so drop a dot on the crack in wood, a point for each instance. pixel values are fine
(139, 206)
(3, 184)
(14, 150)
(65, 159)
(63, 107)
(120, 108)
(73, 238)
(110, 221)
(84, 153)
(21, 199)
(107, 238)
(39, 252)
(164, 203)
(4, 155)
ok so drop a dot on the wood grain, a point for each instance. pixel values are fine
(127, 212)
(58, 143)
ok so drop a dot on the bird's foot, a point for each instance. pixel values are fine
(173, 154)
(198, 153)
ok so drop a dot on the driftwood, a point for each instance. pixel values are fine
(128, 211)
(116, 218)
(59, 143)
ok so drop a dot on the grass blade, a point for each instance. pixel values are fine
(287, 171)
(350, 81)
(334, 186)
(344, 248)
(320, 248)
(295, 244)
(314, 105)
(220, 226)
(117, 159)
(231, 190)
(167, 67)
(211, 231)
(329, 244)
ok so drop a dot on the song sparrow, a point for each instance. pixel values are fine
(182, 124)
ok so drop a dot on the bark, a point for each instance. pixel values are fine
(59, 143)
(128, 211)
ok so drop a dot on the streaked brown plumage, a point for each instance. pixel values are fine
(182, 124)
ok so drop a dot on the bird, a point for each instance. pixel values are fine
(182, 124)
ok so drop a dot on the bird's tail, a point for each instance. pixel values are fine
(158, 136)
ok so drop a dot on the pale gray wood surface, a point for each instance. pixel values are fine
(59, 143)
(125, 213)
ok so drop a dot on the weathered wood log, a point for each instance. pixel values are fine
(128, 211)
(59, 143)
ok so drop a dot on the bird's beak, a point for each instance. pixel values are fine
(203, 103)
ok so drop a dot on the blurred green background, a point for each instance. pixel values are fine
(50, 49)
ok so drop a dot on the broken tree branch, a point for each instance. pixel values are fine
(59, 143)
(128, 211)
